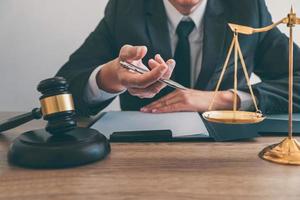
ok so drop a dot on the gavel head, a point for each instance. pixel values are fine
(57, 105)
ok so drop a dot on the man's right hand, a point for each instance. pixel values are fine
(113, 78)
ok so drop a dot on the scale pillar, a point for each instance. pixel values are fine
(287, 151)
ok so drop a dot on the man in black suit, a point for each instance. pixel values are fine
(196, 35)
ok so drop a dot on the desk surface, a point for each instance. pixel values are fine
(164, 171)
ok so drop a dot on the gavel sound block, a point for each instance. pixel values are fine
(61, 144)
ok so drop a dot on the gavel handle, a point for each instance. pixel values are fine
(21, 119)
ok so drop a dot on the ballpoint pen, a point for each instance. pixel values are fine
(140, 70)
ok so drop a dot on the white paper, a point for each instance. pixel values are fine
(181, 124)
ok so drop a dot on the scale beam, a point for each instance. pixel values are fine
(247, 30)
(290, 20)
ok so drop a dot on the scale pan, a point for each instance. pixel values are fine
(233, 117)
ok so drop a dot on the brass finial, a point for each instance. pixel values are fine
(292, 9)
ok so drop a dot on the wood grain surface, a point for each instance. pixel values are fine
(200, 170)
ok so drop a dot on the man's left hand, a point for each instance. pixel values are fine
(190, 101)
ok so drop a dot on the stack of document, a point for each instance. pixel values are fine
(138, 126)
(183, 124)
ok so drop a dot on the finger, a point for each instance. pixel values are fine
(163, 104)
(134, 80)
(177, 107)
(159, 59)
(147, 79)
(130, 53)
(170, 63)
(153, 63)
(162, 100)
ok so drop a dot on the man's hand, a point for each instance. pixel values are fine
(190, 101)
(114, 78)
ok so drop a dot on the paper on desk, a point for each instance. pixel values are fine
(181, 124)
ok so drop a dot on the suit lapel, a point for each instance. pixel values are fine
(214, 39)
(157, 28)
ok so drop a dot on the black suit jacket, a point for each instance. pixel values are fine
(144, 22)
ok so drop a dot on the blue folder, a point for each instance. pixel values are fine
(278, 125)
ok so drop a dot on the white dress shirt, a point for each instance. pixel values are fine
(195, 38)
(96, 95)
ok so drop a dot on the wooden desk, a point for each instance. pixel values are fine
(156, 171)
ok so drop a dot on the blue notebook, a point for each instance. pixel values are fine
(278, 124)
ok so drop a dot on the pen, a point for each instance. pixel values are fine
(140, 70)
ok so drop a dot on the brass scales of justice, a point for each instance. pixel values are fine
(287, 151)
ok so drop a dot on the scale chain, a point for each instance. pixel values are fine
(247, 76)
(222, 74)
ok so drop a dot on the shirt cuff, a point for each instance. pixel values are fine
(94, 95)
(246, 101)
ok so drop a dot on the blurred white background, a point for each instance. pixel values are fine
(37, 37)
